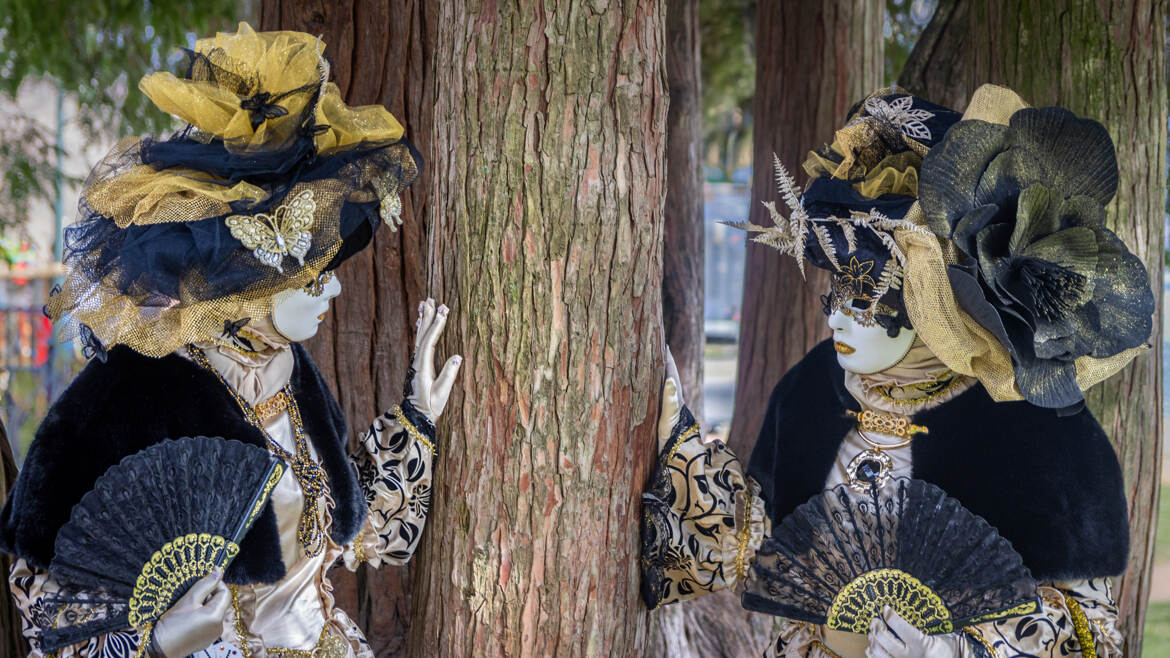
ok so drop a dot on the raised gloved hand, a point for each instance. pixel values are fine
(194, 621)
(427, 394)
(890, 636)
(672, 401)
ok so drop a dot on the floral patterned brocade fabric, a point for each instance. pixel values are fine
(298, 613)
(703, 522)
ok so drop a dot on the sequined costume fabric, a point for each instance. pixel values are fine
(395, 474)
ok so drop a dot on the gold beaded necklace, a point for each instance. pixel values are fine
(309, 474)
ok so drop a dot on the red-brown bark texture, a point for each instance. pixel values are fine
(1104, 60)
(380, 52)
(547, 190)
(813, 61)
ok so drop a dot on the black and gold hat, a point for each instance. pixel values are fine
(272, 181)
(862, 187)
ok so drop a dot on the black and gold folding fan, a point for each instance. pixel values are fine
(150, 528)
(840, 558)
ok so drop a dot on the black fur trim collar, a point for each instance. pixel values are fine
(1051, 485)
(116, 408)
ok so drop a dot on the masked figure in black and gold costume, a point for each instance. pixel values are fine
(976, 293)
(198, 263)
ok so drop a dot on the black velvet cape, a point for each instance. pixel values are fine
(1051, 485)
(116, 408)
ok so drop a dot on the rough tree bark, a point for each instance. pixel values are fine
(380, 51)
(715, 625)
(813, 61)
(1104, 60)
(682, 259)
(547, 195)
(12, 642)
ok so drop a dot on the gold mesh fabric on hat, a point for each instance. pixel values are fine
(141, 195)
(156, 325)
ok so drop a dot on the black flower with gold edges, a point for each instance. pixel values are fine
(1025, 204)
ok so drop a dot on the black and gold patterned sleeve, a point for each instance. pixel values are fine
(33, 591)
(394, 467)
(702, 519)
(1077, 618)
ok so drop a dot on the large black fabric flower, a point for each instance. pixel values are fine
(1025, 203)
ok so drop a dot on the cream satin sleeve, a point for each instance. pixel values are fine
(31, 590)
(702, 519)
(1079, 618)
(394, 464)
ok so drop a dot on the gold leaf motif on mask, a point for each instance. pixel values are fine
(283, 233)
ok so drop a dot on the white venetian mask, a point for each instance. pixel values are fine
(865, 347)
(298, 312)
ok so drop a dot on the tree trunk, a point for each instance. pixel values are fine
(380, 52)
(683, 238)
(813, 61)
(548, 184)
(1104, 60)
(714, 625)
(12, 642)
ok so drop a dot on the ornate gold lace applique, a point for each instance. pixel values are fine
(862, 599)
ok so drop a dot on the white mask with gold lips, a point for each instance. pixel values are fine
(866, 347)
(298, 312)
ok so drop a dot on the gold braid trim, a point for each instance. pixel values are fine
(1081, 625)
(359, 545)
(742, 537)
(241, 632)
(817, 644)
(978, 636)
(396, 411)
(682, 438)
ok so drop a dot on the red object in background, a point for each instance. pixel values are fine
(44, 334)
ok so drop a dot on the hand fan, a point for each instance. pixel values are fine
(838, 559)
(151, 527)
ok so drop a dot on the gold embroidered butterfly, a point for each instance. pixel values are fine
(283, 233)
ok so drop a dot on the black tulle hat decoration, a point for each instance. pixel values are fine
(150, 528)
(840, 558)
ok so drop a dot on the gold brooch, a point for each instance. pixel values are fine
(283, 233)
(888, 424)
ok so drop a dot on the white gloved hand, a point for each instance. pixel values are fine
(890, 636)
(195, 621)
(672, 402)
(428, 394)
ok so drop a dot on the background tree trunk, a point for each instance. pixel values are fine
(714, 625)
(380, 51)
(683, 237)
(813, 61)
(1104, 60)
(12, 642)
(547, 195)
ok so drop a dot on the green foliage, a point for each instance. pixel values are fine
(727, 30)
(95, 52)
(904, 22)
